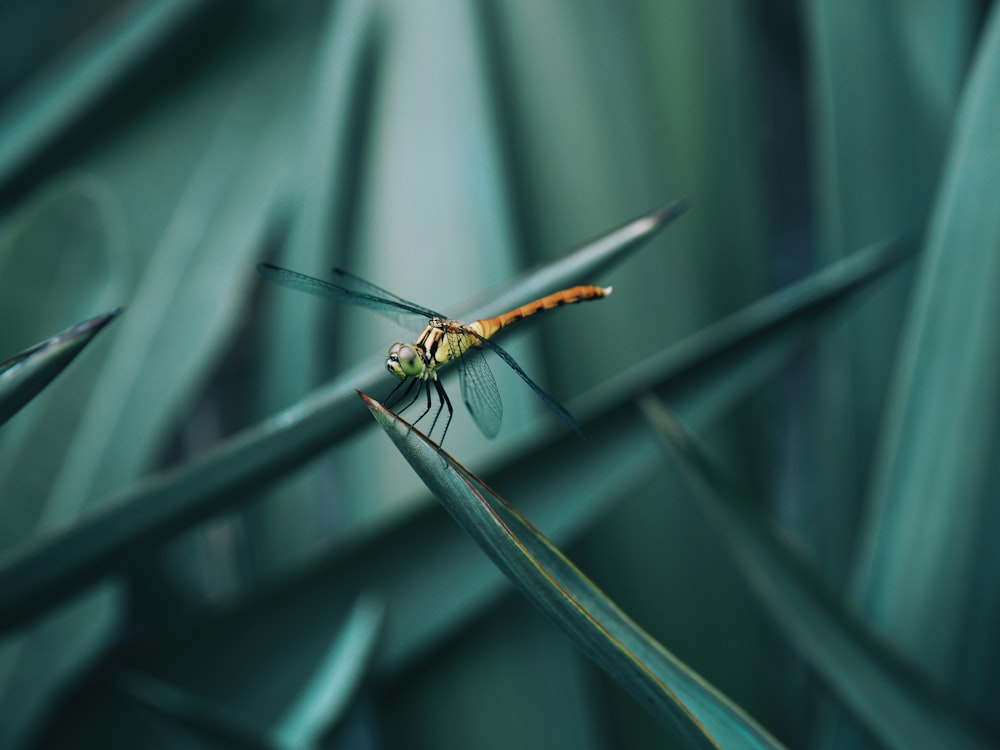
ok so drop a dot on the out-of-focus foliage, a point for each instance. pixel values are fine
(152, 153)
(25, 374)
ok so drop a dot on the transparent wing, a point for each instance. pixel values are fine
(558, 408)
(358, 287)
(352, 289)
(480, 392)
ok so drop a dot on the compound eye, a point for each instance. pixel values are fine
(404, 360)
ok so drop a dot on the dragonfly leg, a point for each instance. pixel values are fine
(410, 383)
(388, 399)
(443, 401)
(426, 388)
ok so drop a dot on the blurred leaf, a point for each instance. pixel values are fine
(185, 303)
(56, 98)
(877, 149)
(591, 261)
(63, 255)
(324, 699)
(779, 320)
(937, 42)
(689, 707)
(319, 706)
(702, 375)
(338, 125)
(935, 488)
(871, 126)
(24, 375)
(867, 677)
(64, 645)
(199, 716)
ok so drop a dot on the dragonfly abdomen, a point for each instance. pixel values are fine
(488, 327)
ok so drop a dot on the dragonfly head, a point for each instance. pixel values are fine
(405, 360)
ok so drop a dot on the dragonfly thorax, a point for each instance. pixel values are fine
(441, 342)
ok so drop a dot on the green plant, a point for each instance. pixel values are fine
(202, 545)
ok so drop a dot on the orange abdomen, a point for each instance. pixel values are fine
(488, 327)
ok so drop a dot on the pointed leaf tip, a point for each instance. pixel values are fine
(671, 210)
(392, 423)
(374, 406)
(90, 326)
(24, 375)
(656, 220)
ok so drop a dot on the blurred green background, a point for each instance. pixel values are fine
(152, 153)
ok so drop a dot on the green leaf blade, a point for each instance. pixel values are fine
(25, 375)
(934, 488)
(324, 699)
(689, 707)
(893, 701)
(65, 91)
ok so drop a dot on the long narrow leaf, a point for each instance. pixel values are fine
(320, 704)
(935, 488)
(57, 97)
(869, 129)
(587, 263)
(895, 704)
(694, 711)
(23, 376)
(197, 715)
(705, 361)
(323, 701)
(173, 336)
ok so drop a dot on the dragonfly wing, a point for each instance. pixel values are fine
(480, 392)
(558, 408)
(358, 286)
(352, 289)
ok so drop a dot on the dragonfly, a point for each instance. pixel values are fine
(442, 342)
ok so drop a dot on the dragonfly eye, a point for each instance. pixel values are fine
(404, 360)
